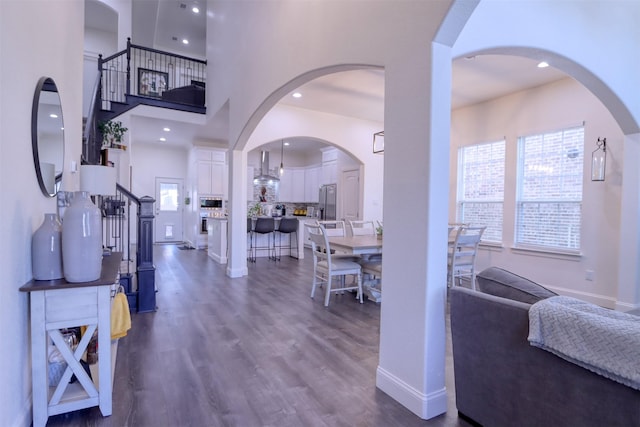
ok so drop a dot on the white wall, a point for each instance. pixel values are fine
(551, 107)
(39, 38)
(151, 161)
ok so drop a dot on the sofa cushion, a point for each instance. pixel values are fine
(502, 283)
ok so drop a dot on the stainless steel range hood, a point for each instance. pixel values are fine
(264, 177)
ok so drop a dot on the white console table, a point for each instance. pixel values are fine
(58, 304)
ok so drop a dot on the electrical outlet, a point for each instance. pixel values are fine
(589, 275)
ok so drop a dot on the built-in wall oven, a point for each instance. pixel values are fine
(210, 206)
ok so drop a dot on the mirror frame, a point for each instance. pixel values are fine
(48, 85)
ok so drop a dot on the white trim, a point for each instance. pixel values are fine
(426, 406)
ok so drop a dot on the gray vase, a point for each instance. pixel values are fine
(82, 240)
(46, 249)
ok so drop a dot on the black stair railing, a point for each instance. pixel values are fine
(150, 74)
(117, 214)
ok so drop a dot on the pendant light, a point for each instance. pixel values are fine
(282, 159)
(599, 160)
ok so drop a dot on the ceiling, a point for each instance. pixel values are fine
(162, 24)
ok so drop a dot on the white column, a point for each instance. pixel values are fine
(416, 173)
(237, 262)
(629, 265)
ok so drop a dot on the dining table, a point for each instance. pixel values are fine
(361, 245)
(357, 245)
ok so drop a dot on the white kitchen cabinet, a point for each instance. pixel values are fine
(211, 172)
(292, 185)
(205, 177)
(286, 186)
(298, 185)
(311, 184)
(329, 172)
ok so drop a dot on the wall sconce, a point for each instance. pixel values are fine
(599, 160)
(378, 142)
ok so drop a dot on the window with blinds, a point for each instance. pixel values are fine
(480, 190)
(549, 190)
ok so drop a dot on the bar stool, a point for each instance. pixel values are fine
(287, 226)
(264, 226)
(250, 256)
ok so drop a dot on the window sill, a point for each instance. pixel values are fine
(548, 253)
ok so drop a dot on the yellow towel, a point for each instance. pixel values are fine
(120, 316)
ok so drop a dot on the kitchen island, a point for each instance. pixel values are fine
(218, 239)
(262, 239)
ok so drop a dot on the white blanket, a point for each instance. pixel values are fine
(604, 341)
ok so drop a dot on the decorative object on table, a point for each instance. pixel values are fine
(379, 232)
(46, 249)
(82, 240)
(599, 160)
(112, 132)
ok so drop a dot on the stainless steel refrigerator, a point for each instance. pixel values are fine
(327, 202)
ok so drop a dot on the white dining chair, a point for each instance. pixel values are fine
(335, 228)
(326, 266)
(362, 228)
(462, 253)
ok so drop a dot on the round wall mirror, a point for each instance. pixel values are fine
(47, 136)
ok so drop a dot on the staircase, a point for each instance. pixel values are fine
(158, 79)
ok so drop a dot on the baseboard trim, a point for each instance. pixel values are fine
(426, 406)
(237, 272)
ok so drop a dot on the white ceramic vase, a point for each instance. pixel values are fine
(82, 240)
(46, 249)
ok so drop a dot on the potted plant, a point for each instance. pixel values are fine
(254, 211)
(112, 132)
(379, 232)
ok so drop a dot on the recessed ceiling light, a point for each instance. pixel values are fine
(185, 41)
(543, 64)
(53, 115)
(166, 129)
(195, 9)
(297, 95)
(286, 143)
(163, 139)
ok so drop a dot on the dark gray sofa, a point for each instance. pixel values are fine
(501, 380)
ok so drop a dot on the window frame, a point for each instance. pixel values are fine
(493, 230)
(568, 202)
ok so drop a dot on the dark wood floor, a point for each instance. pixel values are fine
(254, 351)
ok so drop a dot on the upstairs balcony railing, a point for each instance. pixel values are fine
(151, 75)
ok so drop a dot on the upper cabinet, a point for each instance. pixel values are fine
(211, 172)
(329, 166)
(292, 185)
(312, 184)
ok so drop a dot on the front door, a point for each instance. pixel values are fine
(169, 210)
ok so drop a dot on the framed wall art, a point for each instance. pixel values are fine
(152, 83)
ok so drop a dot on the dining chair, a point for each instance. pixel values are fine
(362, 228)
(336, 228)
(326, 266)
(462, 255)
